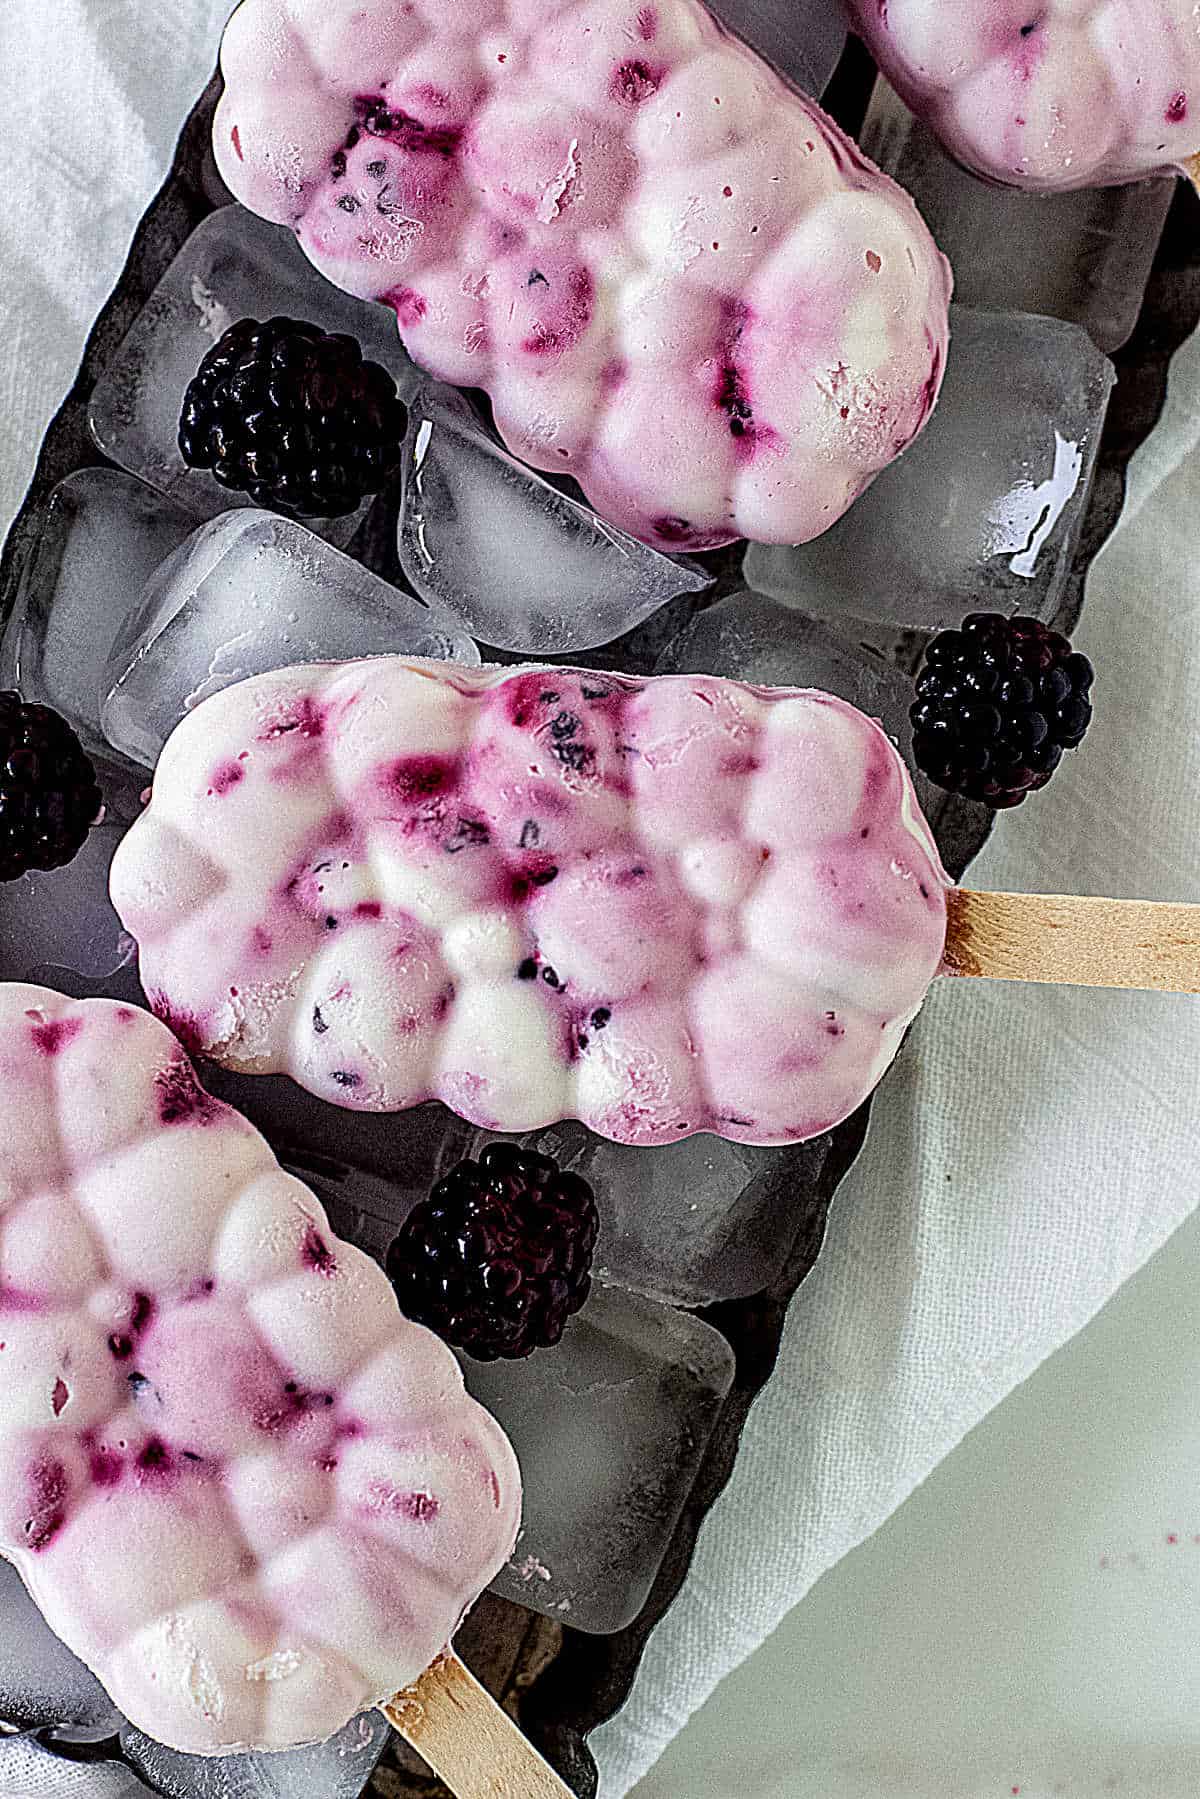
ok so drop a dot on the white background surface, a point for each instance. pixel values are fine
(1029, 1152)
(1024, 1620)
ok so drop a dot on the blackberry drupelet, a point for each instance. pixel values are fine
(997, 704)
(293, 416)
(499, 1256)
(49, 796)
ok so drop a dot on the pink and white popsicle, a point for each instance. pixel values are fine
(659, 905)
(1047, 94)
(250, 1495)
(678, 281)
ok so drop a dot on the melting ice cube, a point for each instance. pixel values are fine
(1084, 256)
(983, 511)
(610, 1427)
(102, 537)
(246, 593)
(522, 565)
(748, 637)
(687, 1223)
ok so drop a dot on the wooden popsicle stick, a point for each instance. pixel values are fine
(1073, 940)
(469, 1740)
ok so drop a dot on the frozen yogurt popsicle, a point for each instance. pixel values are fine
(245, 1490)
(677, 280)
(658, 905)
(1074, 93)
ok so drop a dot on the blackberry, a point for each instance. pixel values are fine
(997, 704)
(49, 797)
(293, 416)
(499, 1256)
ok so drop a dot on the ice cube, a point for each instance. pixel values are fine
(247, 592)
(103, 535)
(233, 266)
(803, 38)
(698, 1221)
(41, 1683)
(610, 1427)
(984, 510)
(687, 1223)
(523, 566)
(1083, 256)
(337, 1769)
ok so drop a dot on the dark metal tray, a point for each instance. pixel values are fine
(559, 1681)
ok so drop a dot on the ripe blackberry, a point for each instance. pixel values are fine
(499, 1256)
(293, 416)
(49, 797)
(997, 704)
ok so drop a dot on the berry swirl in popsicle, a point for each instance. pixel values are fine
(676, 279)
(659, 905)
(1047, 94)
(239, 1484)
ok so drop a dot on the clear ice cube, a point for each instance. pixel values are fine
(235, 265)
(984, 510)
(692, 1222)
(686, 1223)
(41, 1683)
(337, 1769)
(803, 38)
(247, 592)
(103, 535)
(1082, 256)
(523, 566)
(610, 1427)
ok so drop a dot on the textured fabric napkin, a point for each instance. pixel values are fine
(27, 1771)
(1031, 1148)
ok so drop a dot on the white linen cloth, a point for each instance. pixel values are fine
(1031, 1148)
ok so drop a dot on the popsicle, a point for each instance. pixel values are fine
(248, 1493)
(1074, 93)
(659, 905)
(676, 279)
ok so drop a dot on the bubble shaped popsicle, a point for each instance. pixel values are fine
(239, 1484)
(660, 905)
(676, 279)
(1047, 96)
